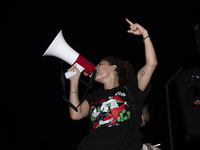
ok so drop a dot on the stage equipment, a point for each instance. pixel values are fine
(60, 49)
(168, 108)
(196, 29)
(188, 88)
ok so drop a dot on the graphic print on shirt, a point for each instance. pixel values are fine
(109, 113)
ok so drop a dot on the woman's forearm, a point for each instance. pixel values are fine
(74, 99)
(83, 109)
(150, 54)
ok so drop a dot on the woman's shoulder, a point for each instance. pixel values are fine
(133, 82)
(94, 94)
(132, 85)
(97, 91)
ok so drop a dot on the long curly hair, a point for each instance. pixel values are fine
(124, 69)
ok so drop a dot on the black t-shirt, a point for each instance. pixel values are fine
(114, 122)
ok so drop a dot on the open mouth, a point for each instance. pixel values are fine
(97, 73)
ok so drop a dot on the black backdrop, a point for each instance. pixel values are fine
(33, 113)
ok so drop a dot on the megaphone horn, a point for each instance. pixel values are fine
(60, 49)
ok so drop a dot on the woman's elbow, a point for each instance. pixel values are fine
(83, 112)
(74, 117)
(155, 63)
(77, 116)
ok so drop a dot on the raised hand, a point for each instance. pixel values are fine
(136, 29)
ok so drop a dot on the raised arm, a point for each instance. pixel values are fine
(83, 109)
(145, 73)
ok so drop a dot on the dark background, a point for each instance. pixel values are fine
(33, 114)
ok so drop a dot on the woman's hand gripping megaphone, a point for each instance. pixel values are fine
(73, 73)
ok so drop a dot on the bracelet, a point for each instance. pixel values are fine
(145, 38)
(72, 92)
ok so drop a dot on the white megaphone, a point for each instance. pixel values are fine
(60, 49)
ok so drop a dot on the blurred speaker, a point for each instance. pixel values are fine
(196, 29)
(188, 88)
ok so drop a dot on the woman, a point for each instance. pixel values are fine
(115, 111)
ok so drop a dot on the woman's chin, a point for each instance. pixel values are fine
(97, 79)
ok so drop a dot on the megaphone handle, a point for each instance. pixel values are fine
(69, 74)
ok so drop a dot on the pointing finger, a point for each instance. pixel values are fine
(129, 22)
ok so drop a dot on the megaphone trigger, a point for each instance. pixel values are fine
(80, 68)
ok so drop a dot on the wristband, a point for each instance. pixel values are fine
(145, 38)
(72, 92)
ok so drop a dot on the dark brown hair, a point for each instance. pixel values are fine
(124, 69)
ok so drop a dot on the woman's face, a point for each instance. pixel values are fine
(103, 71)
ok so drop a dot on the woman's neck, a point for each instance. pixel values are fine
(110, 85)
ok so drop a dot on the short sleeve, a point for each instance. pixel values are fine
(132, 85)
(138, 96)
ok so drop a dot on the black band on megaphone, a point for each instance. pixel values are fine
(91, 86)
(63, 87)
(69, 103)
(90, 83)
